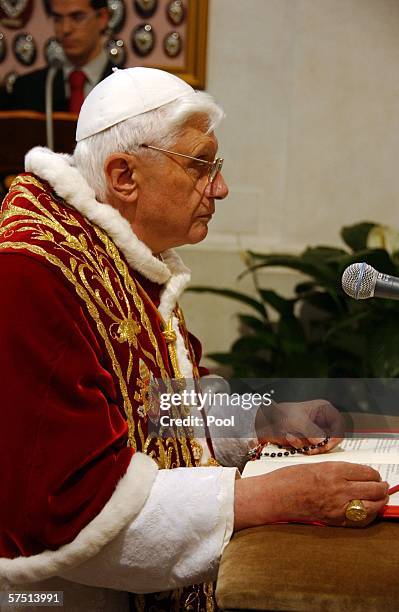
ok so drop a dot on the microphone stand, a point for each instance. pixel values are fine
(54, 67)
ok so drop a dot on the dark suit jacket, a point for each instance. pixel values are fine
(29, 91)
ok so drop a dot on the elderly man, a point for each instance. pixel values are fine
(79, 27)
(89, 317)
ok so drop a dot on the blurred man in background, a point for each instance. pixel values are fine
(79, 26)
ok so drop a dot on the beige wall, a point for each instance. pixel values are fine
(311, 138)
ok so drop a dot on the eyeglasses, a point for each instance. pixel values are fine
(214, 167)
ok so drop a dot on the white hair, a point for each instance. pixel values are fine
(159, 127)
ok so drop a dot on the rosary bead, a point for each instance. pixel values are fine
(286, 452)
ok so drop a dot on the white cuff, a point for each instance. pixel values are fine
(176, 540)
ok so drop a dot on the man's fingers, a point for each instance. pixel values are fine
(306, 429)
(329, 419)
(296, 441)
(371, 491)
(357, 472)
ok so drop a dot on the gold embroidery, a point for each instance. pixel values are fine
(209, 594)
(90, 264)
(131, 288)
(170, 336)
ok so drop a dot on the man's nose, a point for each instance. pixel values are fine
(65, 25)
(218, 188)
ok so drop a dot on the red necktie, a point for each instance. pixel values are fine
(77, 79)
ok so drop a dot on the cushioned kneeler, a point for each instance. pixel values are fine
(311, 569)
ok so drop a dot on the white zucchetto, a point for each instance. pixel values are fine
(125, 94)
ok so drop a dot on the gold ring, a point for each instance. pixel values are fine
(355, 510)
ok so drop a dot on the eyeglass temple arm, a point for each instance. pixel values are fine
(202, 161)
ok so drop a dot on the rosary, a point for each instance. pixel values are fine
(259, 450)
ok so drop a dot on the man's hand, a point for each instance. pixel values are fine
(318, 492)
(300, 424)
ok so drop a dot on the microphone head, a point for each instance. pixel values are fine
(358, 281)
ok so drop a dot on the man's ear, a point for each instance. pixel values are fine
(120, 170)
(103, 16)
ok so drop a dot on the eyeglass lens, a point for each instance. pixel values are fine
(215, 168)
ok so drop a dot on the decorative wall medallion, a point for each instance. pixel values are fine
(116, 52)
(53, 51)
(175, 12)
(15, 13)
(3, 46)
(25, 48)
(146, 8)
(172, 44)
(9, 80)
(143, 39)
(117, 14)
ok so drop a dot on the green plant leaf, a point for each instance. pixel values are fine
(322, 302)
(291, 336)
(255, 343)
(320, 272)
(382, 350)
(305, 287)
(323, 254)
(355, 236)
(234, 295)
(253, 323)
(276, 301)
(349, 321)
(353, 344)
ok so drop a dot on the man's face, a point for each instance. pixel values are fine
(78, 27)
(176, 201)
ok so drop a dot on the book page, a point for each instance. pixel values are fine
(373, 445)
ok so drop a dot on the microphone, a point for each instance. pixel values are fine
(361, 281)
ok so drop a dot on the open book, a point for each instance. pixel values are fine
(382, 454)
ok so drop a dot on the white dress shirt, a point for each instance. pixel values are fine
(93, 71)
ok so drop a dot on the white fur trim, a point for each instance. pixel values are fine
(59, 171)
(176, 284)
(125, 504)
